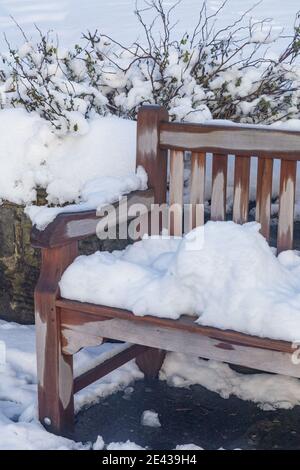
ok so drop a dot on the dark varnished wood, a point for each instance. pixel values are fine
(147, 333)
(149, 154)
(54, 369)
(219, 187)
(109, 365)
(80, 225)
(197, 189)
(285, 235)
(264, 194)
(241, 189)
(176, 193)
(74, 313)
(150, 362)
(231, 139)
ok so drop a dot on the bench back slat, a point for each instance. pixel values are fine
(197, 189)
(286, 205)
(264, 194)
(219, 187)
(243, 142)
(176, 192)
(241, 189)
(231, 139)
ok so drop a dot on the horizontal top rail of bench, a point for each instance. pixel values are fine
(186, 323)
(241, 139)
(72, 226)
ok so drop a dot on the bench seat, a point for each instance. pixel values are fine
(184, 335)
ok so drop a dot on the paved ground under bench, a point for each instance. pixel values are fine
(193, 415)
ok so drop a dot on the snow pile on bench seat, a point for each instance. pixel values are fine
(234, 281)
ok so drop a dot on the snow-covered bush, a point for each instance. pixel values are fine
(3, 79)
(222, 73)
(49, 80)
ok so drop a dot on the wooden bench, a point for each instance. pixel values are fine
(63, 327)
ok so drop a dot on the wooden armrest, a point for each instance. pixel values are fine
(74, 226)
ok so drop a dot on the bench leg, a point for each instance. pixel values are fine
(150, 362)
(55, 378)
(54, 369)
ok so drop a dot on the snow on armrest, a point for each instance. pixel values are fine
(67, 227)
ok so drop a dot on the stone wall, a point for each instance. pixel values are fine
(19, 263)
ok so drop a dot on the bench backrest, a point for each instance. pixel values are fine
(158, 139)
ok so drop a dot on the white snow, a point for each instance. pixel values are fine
(85, 172)
(62, 166)
(19, 427)
(235, 282)
(74, 169)
(267, 390)
(128, 445)
(31, 155)
(99, 444)
(188, 447)
(224, 273)
(151, 419)
(69, 18)
(90, 170)
(95, 194)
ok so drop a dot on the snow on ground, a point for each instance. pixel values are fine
(128, 445)
(223, 272)
(188, 447)
(151, 419)
(19, 428)
(69, 18)
(99, 444)
(79, 169)
(269, 391)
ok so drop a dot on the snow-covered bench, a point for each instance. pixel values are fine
(65, 326)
